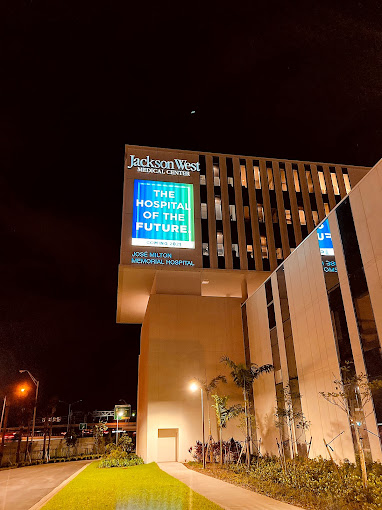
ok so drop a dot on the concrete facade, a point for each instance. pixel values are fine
(314, 336)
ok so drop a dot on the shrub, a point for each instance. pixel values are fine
(123, 460)
(312, 483)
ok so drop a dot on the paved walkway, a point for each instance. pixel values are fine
(228, 496)
(22, 488)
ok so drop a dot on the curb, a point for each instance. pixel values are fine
(53, 492)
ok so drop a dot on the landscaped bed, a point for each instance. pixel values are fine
(311, 484)
(144, 487)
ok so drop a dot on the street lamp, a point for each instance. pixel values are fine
(70, 405)
(195, 387)
(119, 415)
(36, 382)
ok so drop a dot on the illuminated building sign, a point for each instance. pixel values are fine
(157, 166)
(325, 239)
(329, 264)
(163, 214)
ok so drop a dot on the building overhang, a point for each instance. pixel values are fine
(135, 285)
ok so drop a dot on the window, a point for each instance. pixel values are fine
(271, 184)
(216, 175)
(202, 179)
(257, 177)
(243, 175)
(230, 181)
(279, 253)
(288, 216)
(204, 211)
(264, 248)
(315, 218)
(335, 183)
(260, 212)
(347, 183)
(321, 178)
(232, 213)
(205, 249)
(309, 181)
(296, 180)
(246, 212)
(275, 217)
(235, 250)
(301, 214)
(284, 186)
(250, 250)
(218, 208)
(220, 245)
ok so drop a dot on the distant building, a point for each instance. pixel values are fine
(200, 233)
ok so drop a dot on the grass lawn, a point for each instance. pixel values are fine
(134, 488)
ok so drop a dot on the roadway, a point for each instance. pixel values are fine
(22, 488)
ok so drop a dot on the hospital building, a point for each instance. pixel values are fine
(262, 260)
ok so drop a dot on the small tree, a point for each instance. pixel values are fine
(351, 393)
(208, 388)
(243, 376)
(223, 415)
(289, 418)
(98, 431)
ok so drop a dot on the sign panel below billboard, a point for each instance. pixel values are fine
(163, 214)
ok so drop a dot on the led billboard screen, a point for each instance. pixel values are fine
(163, 214)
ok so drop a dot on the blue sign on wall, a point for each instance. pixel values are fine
(325, 239)
(163, 214)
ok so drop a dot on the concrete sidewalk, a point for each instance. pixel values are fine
(228, 496)
(22, 488)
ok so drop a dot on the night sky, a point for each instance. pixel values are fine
(78, 80)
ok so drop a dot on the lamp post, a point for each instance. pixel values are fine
(195, 387)
(119, 413)
(37, 383)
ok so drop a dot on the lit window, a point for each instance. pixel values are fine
(230, 181)
(309, 181)
(296, 180)
(321, 178)
(347, 183)
(283, 180)
(232, 213)
(288, 216)
(301, 214)
(205, 249)
(220, 246)
(315, 217)
(250, 250)
(264, 248)
(257, 177)
(218, 208)
(243, 176)
(270, 178)
(204, 211)
(326, 207)
(260, 212)
(202, 179)
(246, 212)
(235, 250)
(216, 175)
(335, 183)
(279, 253)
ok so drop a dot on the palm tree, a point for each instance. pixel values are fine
(223, 415)
(208, 388)
(243, 376)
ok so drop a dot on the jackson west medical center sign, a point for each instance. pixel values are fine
(146, 164)
(163, 214)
